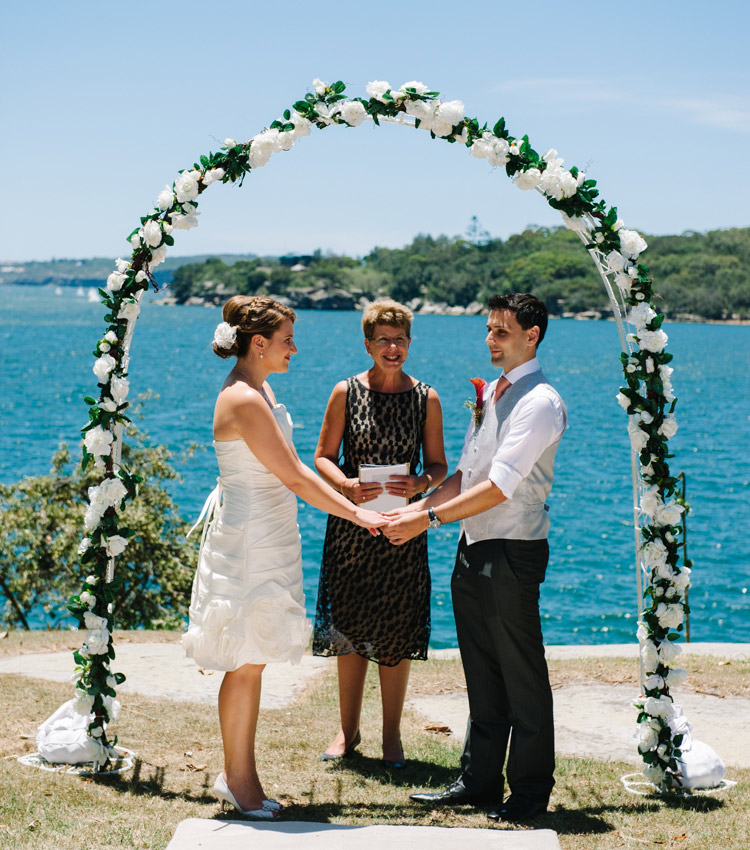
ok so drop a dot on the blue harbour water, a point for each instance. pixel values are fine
(46, 343)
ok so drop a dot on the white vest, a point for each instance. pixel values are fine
(524, 516)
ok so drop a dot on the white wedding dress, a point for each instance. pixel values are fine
(247, 605)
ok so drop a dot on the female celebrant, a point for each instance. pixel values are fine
(374, 598)
(247, 606)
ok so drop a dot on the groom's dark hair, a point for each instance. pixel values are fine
(527, 309)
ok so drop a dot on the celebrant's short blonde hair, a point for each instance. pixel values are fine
(386, 312)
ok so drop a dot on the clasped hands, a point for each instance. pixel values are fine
(404, 523)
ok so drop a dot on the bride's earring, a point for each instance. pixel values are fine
(261, 354)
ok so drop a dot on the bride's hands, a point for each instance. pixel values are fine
(370, 520)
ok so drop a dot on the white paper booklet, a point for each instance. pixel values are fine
(374, 472)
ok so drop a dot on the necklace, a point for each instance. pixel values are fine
(257, 389)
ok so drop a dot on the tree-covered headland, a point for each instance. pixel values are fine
(704, 275)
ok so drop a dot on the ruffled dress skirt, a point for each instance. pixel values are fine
(247, 605)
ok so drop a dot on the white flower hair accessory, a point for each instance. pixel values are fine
(225, 335)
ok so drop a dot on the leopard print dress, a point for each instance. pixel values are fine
(374, 597)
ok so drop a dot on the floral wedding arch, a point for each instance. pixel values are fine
(647, 396)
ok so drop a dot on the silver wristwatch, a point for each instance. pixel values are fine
(434, 521)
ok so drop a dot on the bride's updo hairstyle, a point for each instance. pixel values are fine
(252, 314)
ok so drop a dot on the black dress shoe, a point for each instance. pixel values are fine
(454, 795)
(516, 809)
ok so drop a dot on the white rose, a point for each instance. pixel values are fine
(184, 222)
(136, 239)
(98, 441)
(83, 702)
(638, 437)
(115, 545)
(103, 366)
(641, 632)
(649, 656)
(651, 500)
(97, 641)
(551, 182)
(649, 365)
(668, 427)
(499, 153)
(229, 143)
(129, 311)
(158, 255)
(265, 144)
(84, 545)
(152, 233)
(677, 676)
(654, 553)
(528, 179)
(568, 184)
(615, 261)
(631, 243)
(480, 148)
(624, 282)
(104, 347)
(654, 683)
(623, 401)
(186, 186)
(515, 147)
(140, 276)
(353, 112)
(301, 125)
(377, 89)
(682, 580)
(646, 418)
(419, 88)
(452, 112)
(665, 373)
(94, 513)
(669, 514)
(654, 774)
(664, 571)
(107, 405)
(87, 598)
(423, 111)
(113, 490)
(640, 315)
(212, 175)
(319, 86)
(225, 335)
(94, 622)
(655, 341)
(648, 738)
(669, 616)
(165, 198)
(110, 337)
(668, 651)
(659, 706)
(92, 580)
(119, 388)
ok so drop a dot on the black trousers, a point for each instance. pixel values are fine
(495, 589)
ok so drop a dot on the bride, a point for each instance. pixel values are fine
(247, 605)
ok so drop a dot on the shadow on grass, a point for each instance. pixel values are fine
(153, 785)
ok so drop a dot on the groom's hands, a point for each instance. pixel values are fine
(406, 523)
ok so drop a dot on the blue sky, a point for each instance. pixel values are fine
(103, 103)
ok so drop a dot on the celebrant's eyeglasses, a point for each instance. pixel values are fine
(385, 341)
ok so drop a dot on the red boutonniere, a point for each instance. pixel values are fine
(477, 407)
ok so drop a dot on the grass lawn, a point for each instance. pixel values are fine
(178, 751)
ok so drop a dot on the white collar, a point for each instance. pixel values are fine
(527, 368)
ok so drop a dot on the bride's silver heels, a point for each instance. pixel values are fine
(224, 795)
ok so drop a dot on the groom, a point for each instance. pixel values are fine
(498, 493)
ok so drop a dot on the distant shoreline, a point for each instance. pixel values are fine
(319, 302)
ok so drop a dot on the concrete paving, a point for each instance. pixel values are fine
(203, 834)
(161, 671)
